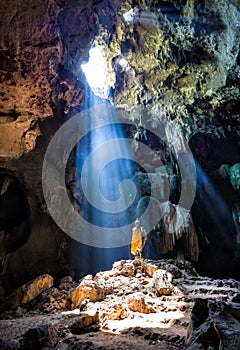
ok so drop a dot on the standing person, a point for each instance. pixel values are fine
(139, 239)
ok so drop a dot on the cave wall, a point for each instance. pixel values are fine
(214, 204)
(27, 121)
(182, 67)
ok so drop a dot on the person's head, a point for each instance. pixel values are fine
(137, 223)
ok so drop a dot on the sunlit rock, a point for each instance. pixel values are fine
(29, 291)
(131, 313)
(162, 281)
(138, 304)
(87, 289)
(150, 269)
(82, 322)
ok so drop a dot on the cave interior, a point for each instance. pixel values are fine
(137, 100)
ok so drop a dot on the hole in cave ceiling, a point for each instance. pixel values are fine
(96, 72)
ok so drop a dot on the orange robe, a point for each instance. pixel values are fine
(137, 240)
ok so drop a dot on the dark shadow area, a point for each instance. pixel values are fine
(214, 208)
(15, 218)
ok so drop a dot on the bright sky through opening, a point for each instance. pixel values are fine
(95, 71)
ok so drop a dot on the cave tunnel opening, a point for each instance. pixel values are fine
(15, 219)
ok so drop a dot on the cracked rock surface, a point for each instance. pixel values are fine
(172, 63)
(130, 314)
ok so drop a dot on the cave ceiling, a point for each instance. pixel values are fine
(181, 62)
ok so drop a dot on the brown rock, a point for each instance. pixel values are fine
(82, 322)
(137, 303)
(150, 269)
(116, 312)
(87, 289)
(29, 291)
(128, 270)
(62, 304)
(36, 287)
(56, 293)
(118, 264)
(51, 299)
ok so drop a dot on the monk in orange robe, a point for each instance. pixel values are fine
(139, 239)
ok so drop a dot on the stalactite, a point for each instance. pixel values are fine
(177, 223)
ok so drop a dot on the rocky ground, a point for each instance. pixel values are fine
(137, 305)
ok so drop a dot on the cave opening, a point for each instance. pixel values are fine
(15, 220)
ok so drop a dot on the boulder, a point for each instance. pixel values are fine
(82, 322)
(128, 270)
(41, 337)
(88, 289)
(150, 269)
(162, 281)
(214, 324)
(28, 292)
(137, 303)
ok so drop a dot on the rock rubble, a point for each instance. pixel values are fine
(139, 303)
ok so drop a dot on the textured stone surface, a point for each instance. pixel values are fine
(82, 322)
(131, 314)
(88, 289)
(215, 324)
(162, 281)
(138, 304)
(28, 43)
(182, 67)
(28, 292)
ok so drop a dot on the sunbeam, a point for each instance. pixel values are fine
(104, 171)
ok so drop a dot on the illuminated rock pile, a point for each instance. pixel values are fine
(173, 63)
(137, 304)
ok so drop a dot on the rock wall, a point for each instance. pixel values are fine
(168, 61)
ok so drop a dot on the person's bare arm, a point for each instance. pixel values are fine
(144, 237)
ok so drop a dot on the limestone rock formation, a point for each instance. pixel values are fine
(87, 289)
(215, 324)
(131, 313)
(163, 282)
(28, 292)
(172, 73)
